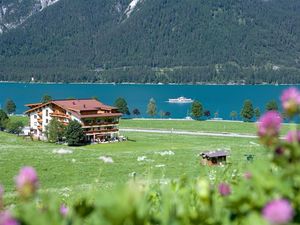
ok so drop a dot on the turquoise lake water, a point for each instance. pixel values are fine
(216, 98)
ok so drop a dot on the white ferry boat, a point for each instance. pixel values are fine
(180, 100)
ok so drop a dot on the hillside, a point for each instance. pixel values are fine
(170, 41)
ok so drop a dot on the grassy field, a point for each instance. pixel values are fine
(82, 169)
(192, 125)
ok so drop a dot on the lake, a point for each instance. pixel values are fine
(216, 98)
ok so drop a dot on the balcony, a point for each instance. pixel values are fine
(40, 120)
(101, 131)
(40, 113)
(40, 127)
(100, 124)
(60, 115)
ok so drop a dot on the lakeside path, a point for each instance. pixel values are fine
(189, 133)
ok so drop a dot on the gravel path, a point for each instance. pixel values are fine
(189, 133)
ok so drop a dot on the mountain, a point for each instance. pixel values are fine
(13, 13)
(169, 41)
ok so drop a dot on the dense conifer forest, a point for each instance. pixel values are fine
(167, 41)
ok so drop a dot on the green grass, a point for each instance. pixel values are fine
(83, 169)
(192, 125)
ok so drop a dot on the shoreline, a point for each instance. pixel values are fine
(154, 84)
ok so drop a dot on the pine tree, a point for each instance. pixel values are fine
(74, 134)
(136, 112)
(151, 108)
(272, 105)
(247, 112)
(46, 98)
(233, 115)
(197, 109)
(10, 106)
(121, 104)
(257, 113)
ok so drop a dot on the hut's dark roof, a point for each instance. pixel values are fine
(217, 153)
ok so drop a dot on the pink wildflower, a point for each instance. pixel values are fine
(269, 126)
(7, 219)
(64, 210)
(293, 136)
(224, 189)
(247, 175)
(27, 181)
(278, 211)
(290, 100)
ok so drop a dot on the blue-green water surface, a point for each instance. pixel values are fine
(216, 98)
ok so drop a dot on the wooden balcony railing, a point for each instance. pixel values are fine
(101, 131)
(40, 120)
(60, 115)
(100, 123)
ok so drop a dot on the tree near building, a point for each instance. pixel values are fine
(151, 108)
(121, 104)
(257, 113)
(197, 109)
(74, 134)
(55, 131)
(10, 106)
(233, 115)
(3, 119)
(14, 127)
(272, 105)
(46, 98)
(247, 111)
(136, 112)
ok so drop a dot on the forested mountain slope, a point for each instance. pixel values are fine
(172, 41)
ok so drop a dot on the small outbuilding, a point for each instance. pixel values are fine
(212, 158)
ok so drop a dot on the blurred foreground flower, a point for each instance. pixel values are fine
(278, 211)
(64, 210)
(224, 189)
(27, 181)
(7, 219)
(290, 100)
(293, 136)
(269, 126)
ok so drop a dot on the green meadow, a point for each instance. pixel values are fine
(194, 125)
(151, 157)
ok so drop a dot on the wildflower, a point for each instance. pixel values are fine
(27, 181)
(7, 219)
(1, 197)
(278, 211)
(293, 136)
(63, 210)
(247, 175)
(269, 126)
(290, 100)
(224, 189)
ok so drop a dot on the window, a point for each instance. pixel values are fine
(35, 116)
(35, 123)
(46, 120)
(46, 112)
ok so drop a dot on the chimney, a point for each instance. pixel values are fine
(74, 103)
(84, 106)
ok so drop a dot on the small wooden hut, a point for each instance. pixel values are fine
(212, 158)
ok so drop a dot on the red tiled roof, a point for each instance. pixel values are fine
(82, 104)
(76, 105)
